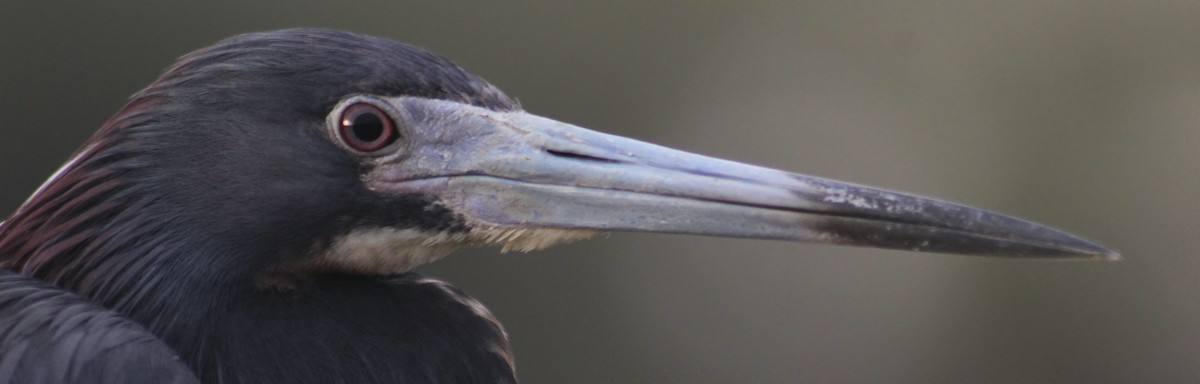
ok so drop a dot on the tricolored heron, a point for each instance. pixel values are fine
(254, 214)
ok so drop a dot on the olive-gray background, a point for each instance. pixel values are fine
(1079, 114)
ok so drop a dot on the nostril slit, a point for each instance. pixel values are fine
(572, 155)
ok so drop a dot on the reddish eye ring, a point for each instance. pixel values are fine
(365, 127)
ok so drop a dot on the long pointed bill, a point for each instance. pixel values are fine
(514, 170)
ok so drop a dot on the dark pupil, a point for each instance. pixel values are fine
(367, 127)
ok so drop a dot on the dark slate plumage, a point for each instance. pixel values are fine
(259, 207)
(52, 336)
(217, 173)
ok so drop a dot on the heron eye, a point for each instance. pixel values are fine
(366, 128)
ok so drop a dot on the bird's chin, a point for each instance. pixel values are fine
(385, 251)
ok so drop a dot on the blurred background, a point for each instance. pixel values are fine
(1084, 115)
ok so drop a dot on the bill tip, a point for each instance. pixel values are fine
(1110, 254)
